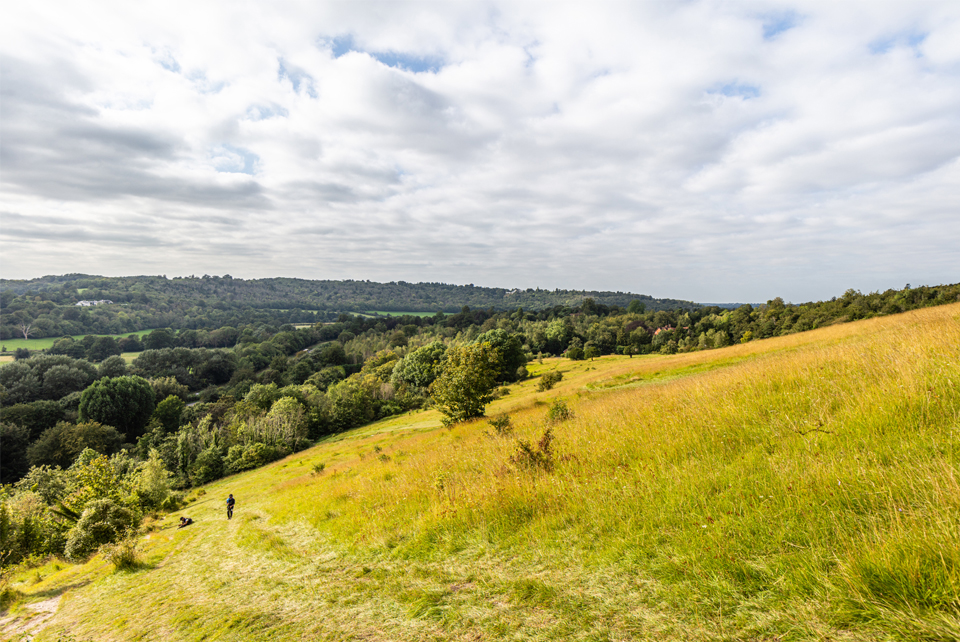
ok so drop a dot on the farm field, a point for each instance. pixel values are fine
(10, 345)
(394, 313)
(797, 488)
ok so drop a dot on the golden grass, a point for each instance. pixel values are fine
(803, 487)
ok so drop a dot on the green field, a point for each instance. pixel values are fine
(391, 313)
(9, 345)
(798, 488)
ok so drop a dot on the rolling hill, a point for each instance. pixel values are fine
(796, 488)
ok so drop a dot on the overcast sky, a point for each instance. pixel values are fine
(712, 151)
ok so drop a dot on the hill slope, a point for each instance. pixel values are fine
(796, 488)
(347, 295)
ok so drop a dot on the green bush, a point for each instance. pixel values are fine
(540, 456)
(548, 380)
(559, 411)
(173, 502)
(123, 555)
(207, 467)
(501, 424)
(102, 522)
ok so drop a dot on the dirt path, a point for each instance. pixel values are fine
(30, 619)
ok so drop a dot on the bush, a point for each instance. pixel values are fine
(539, 457)
(240, 458)
(173, 502)
(501, 424)
(62, 444)
(102, 522)
(207, 467)
(548, 380)
(559, 411)
(123, 555)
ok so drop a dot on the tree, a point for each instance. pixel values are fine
(159, 339)
(466, 382)
(590, 350)
(420, 367)
(25, 329)
(123, 402)
(102, 348)
(60, 381)
(114, 366)
(35, 417)
(169, 412)
(510, 348)
(13, 452)
(62, 444)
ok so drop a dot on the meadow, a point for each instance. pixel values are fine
(10, 345)
(797, 488)
(394, 313)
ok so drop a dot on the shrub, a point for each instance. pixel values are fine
(548, 380)
(207, 467)
(173, 502)
(319, 468)
(62, 444)
(102, 522)
(123, 555)
(240, 458)
(540, 457)
(559, 411)
(501, 424)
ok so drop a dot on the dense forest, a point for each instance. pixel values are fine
(48, 305)
(189, 405)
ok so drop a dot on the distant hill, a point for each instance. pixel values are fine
(327, 295)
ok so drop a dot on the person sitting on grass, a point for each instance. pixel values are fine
(185, 521)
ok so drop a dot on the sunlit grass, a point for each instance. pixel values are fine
(802, 487)
(10, 345)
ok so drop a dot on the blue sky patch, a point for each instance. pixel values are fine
(777, 23)
(736, 89)
(342, 45)
(409, 62)
(263, 112)
(297, 77)
(911, 39)
(229, 159)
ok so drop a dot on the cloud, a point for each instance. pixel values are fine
(705, 150)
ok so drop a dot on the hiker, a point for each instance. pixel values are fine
(230, 502)
(185, 521)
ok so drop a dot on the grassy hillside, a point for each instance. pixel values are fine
(798, 488)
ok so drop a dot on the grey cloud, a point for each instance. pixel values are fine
(55, 148)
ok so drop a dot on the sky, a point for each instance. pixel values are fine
(710, 151)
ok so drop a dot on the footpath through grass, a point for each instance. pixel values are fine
(799, 488)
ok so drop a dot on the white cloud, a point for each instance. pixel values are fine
(706, 150)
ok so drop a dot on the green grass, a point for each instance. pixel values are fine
(394, 313)
(798, 488)
(9, 345)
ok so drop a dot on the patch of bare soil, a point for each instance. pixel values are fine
(28, 621)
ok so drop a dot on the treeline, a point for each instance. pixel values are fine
(46, 307)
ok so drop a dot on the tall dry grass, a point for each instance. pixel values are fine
(799, 488)
(817, 467)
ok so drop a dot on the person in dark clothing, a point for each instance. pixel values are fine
(185, 521)
(230, 502)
